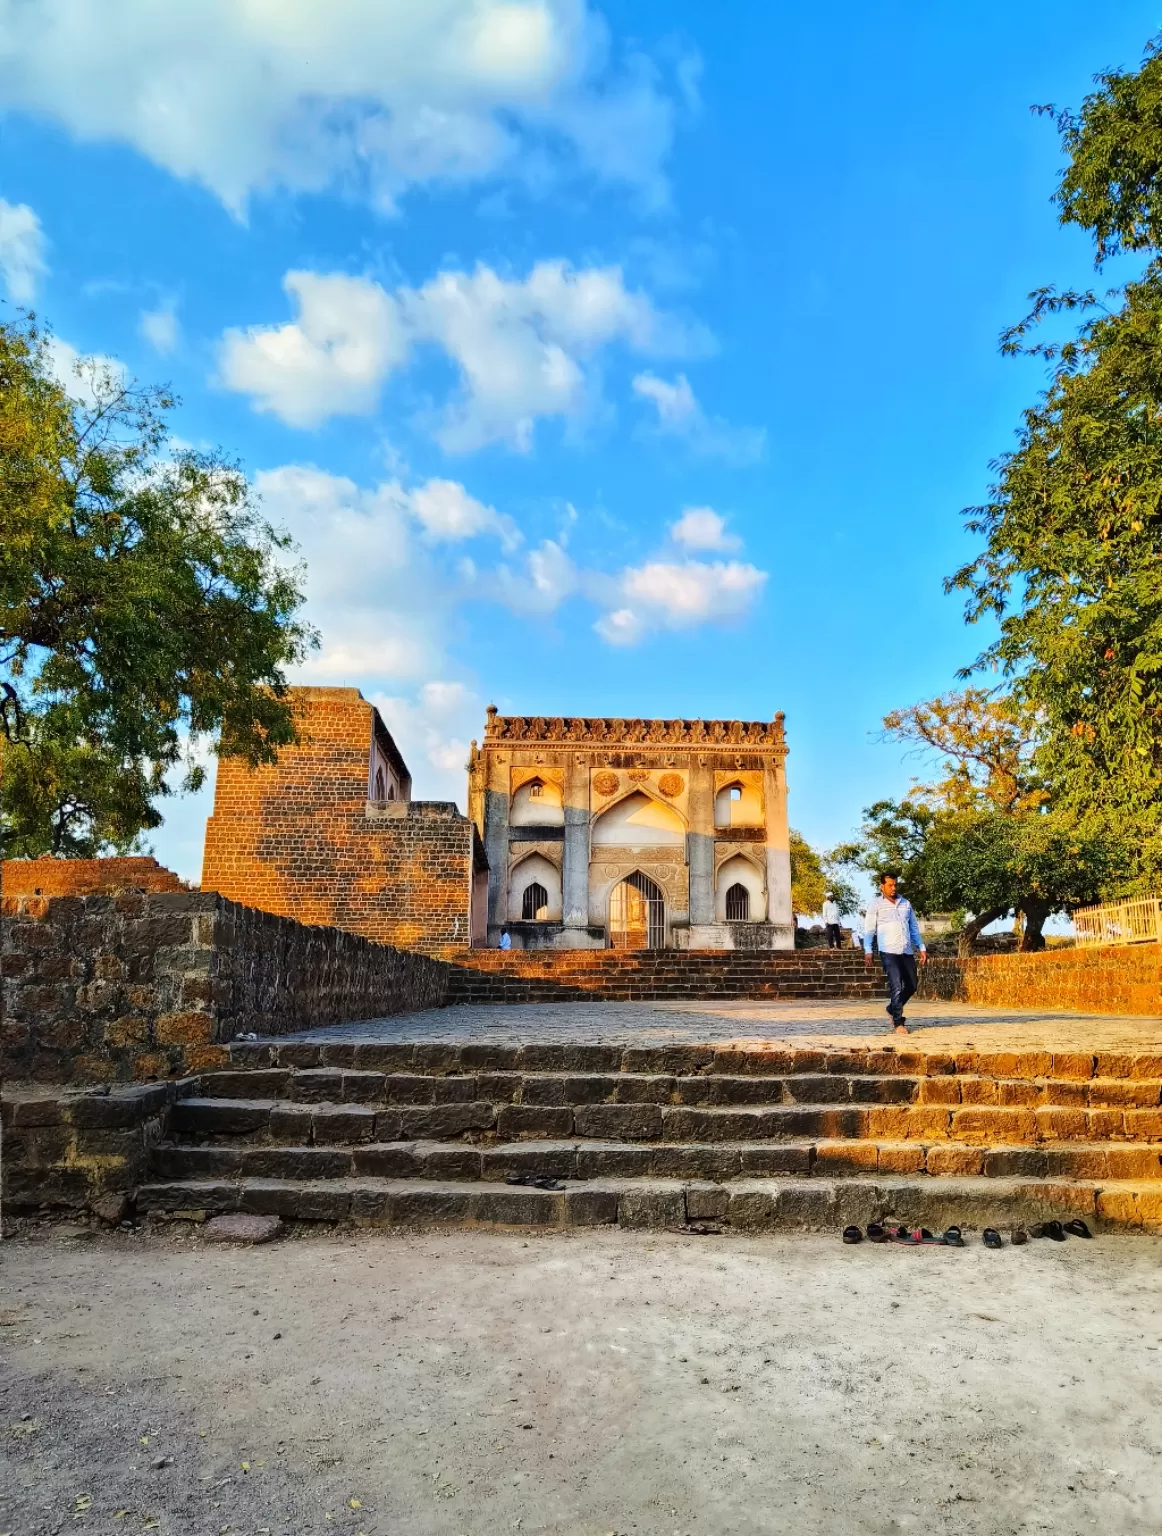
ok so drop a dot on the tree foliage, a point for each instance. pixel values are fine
(1072, 561)
(813, 875)
(143, 604)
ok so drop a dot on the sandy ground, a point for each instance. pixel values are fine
(470, 1383)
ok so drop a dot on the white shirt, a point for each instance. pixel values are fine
(830, 912)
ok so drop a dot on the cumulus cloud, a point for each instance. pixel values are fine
(160, 327)
(434, 730)
(680, 415)
(370, 98)
(679, 595)
(22, 248)
(702, 528)
(524, 348)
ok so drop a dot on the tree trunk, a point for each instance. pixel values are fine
(1035, 914)
(972, 931)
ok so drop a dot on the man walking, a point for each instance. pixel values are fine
(891, 924)
(831, 921)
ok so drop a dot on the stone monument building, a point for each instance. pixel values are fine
(634, 833)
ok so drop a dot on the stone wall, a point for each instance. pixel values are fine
(301, 839)
(84, 877)
(143, 987)
(1123, 980)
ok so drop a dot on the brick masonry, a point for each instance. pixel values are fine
(151, 986)
(1122, 980)
(85, 877)
(301, 839)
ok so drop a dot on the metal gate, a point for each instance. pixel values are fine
(637, 914)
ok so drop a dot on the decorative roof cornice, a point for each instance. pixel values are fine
(612, 733)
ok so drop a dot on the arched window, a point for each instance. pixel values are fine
(380, 789)
(391, 791)
(536, 790)
(737, 904)
(535, 903)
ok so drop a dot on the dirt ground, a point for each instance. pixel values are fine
(470, 1383)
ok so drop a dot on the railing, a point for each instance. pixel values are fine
(1120, 922)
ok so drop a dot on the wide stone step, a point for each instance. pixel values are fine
(748, 1205)
(779, 1059)
(587, 1160)
(303, 1124)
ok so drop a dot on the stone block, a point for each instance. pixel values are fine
(556, 1160)
(632, 1088)
(189, 1195)
(515, 1120)
(370, 1205)
(706, 1202)
(394, 1160)
(775, 1158)
(184, 1029)
(1118, 1207)
(1123, 1092)
(841, 1157)
(590, 1207)
(1014, 1162)
(262, 1083)
(807, 1206)
(18, 1112)
(754, 1210)
(610, 1161)
(318, 1085)
(566, 1057)
(692, 1161)
(900, 1157)
(363, 1087)
(437, 1121)
(669, 1060)
(298, 1054)
(651, 1209)
(1073, 1065)
(295, 1163)
(517, 1207)
(389, 1125)
(450, 1161)
(1018, 1093)
(1132, 1162)
(1102, 1124)
(498, 1087)
(1055, 1124)
(219, 1117)
(856, 1202)
(240, 1228)
(428, 1207)
(385, 1056)
(618, 1122)
(483, 1056)
(979, 1090)
(350, 1124)
(169, 1162)
(939, 1090)
(1144, 1124)
(295, 1202)
(818, 1089)
(951, 1161)
(995, 1125)
(290, 1123)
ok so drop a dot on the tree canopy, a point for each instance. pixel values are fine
(1072, 561)
(144, 604)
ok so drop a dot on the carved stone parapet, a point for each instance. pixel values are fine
(620, 732)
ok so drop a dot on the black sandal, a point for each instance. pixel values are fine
(992, 1238)
(953, 1238)
(852, 1235)
(1055, 1230)
(1077, 1228)
(876, 1233)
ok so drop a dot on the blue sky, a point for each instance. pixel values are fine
(602, 359)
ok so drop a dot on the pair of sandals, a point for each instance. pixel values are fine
(910, 1237)
(534, 1181)
(1054, 1230)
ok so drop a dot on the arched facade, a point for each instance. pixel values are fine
(740, 870)
(738, 804)
(535, 869)
(538, 803)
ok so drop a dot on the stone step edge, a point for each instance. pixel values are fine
(776, 1058)
(584, 1160)
(752, 1206)
(365, 1086)
(931, 1122)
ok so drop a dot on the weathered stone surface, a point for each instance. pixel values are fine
(399, 1160)
(590, 1207)
(348, 1124)
(441, 1120)
(318, 1085)
(240, 1227)
(514, 1120)
(706, 1202)
(607, 1160)
(112, 1208)
(691, 1161)
(555, 1160)
(517, 1207)
(622, 1122)
(295, 1163)
(291, 1122)
(220, 1117)
(651, 1209)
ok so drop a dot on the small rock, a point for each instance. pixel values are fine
(238, 1227)
(111, 1209)
(162, 1461)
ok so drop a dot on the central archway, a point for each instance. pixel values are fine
(637, 914)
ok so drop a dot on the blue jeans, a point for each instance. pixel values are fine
(901, 973)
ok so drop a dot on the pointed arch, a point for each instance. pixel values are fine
(638, 819)
(535, 870)
(740, 871)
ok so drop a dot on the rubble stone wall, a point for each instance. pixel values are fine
(85, 877)
(1126, 979)
(143, 987)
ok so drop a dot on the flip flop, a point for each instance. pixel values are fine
(852, 1235)
(1055, 1230)
(992, 1238)
(953, 1238)
(922, 1235)
(876, 1233)
(1076, 1228)
(902, 1235)
(1019, 1237)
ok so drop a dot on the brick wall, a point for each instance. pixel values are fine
(116, 988)
(299, 839)
(84, 877)
(1123, 980)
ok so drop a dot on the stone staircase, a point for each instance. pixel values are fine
(406, 1132)
(571, 975)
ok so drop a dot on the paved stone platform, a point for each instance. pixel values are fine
(936, 1026)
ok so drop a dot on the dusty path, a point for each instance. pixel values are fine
(469, 1384)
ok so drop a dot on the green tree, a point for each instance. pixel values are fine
(813, 875)
(143, 605)
(1072, 561)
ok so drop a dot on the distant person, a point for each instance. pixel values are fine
(891, 925)
(505, 939)
(857, 932)
(831, 922)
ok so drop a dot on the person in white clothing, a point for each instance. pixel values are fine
(891, 925)
(831, 921)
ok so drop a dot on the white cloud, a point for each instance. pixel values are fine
(448, 514)
(669, 595)
(680, 415)
(433, 731)
(548, 578)
(84, 375)
(371, 96)
(160, 327)
(525, 349)
(22, 248)
(702, 528)
(331, 361)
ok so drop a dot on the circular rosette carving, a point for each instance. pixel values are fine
(606, 783)
(671, 784)
(638, 775)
